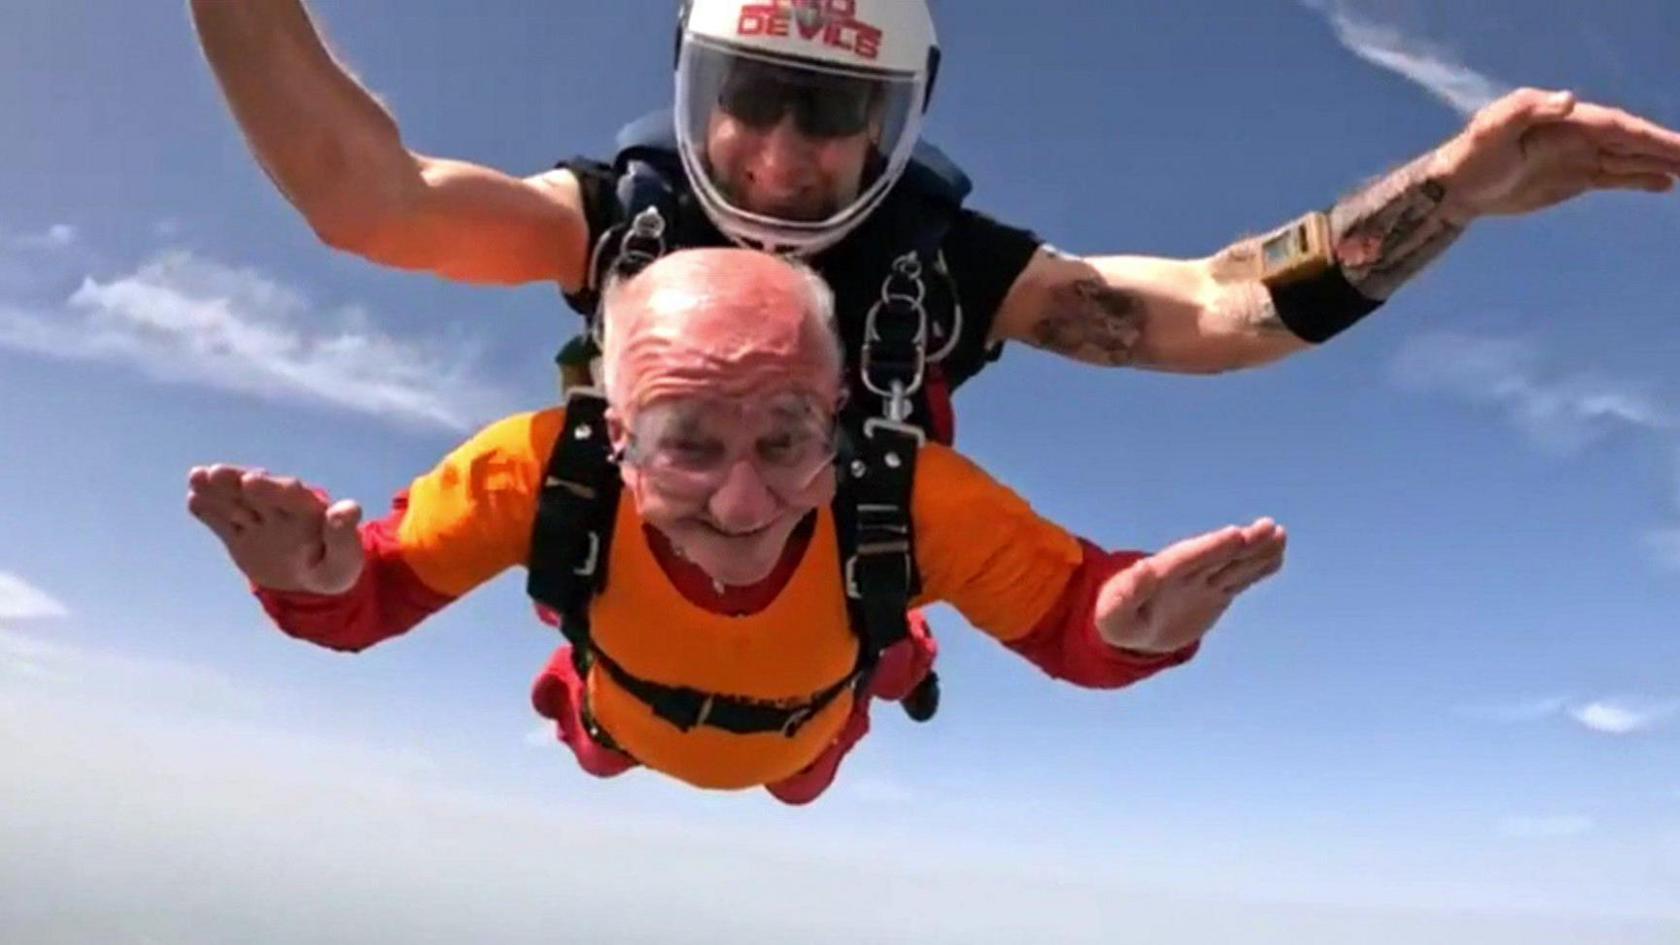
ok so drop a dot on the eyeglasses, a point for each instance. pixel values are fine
(688, 454)
(758, 94)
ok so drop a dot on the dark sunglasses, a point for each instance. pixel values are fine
(758, 95)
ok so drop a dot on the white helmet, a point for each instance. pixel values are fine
(835, 69)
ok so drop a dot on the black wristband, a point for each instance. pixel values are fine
(1321, 307)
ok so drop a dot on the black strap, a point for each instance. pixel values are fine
(571, 537)
(877, 543)
(687, 708)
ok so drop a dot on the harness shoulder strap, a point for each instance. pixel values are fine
(873, 529)
(571, 538)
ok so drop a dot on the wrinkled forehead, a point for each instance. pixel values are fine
(723, 336)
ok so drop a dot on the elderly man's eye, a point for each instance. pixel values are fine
(691, 452)
(785, 448)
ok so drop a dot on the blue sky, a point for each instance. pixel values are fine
(1454, 717)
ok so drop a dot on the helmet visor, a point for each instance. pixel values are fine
(797, 144)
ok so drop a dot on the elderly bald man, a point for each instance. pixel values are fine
(721, 584)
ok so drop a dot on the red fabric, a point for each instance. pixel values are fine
(558, 695)
(388, 599)
(1066, 645)
(942, 416)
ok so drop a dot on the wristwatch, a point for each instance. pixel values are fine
(1297, 252)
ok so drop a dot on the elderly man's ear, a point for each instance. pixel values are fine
(618, 433)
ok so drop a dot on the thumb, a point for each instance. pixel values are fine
(1521, 109)
(341, 548)
(1119, 600)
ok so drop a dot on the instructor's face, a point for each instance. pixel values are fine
(779, 171)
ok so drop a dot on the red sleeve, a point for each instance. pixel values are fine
(1065, 643)
(388, 599)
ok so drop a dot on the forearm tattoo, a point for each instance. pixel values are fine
(1090, 320)
(1385, 234)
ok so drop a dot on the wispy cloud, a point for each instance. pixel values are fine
(1605, 716)
(185, 318)
(1545, 828)
(57, 236)
(1530, 710)
(1559, 413)
(1426, 64)
(101, 675)
(20, 600)
(1613, 717)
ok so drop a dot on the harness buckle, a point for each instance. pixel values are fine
(592, 560)
(897, 374)
(796, 720)
(897, 426)
(705, 712)
(894, 549)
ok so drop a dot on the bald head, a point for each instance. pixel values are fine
(719, 322)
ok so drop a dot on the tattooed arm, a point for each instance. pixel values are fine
(1209, 315)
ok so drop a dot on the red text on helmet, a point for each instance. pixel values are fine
(830, 22)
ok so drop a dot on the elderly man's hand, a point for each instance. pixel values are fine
(1532, 149)
(1173, 597)
(281, 534)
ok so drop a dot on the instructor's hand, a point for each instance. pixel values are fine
(1173, 598)
(278, 532)
(1532, 149)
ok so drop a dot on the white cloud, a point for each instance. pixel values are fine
(1609, 717)
(1532, 710)
(57, 236)
(1434, 69)
(56, 667)
(1545, 828)
(185, 318)
(19, 600)
(1559, 414)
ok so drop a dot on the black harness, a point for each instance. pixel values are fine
(571, 547)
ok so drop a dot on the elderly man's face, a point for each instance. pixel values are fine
(728, 385)
(728, 481)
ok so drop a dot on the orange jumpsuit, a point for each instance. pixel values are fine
(979, 547)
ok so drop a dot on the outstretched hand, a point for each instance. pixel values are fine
(281, 534)
(1532, 149)
(1173, 598)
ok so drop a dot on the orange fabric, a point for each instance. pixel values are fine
(470, 518)
(978, 545)
(982, 549)
(798, 645)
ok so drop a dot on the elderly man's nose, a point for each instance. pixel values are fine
(743, 500)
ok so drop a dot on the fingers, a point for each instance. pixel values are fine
(227, 522)
(1260, 557)
(1650, 183)
(1198, 554)
(1247, 571)
(214, 497)
(279, 496)
(1625, 133)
